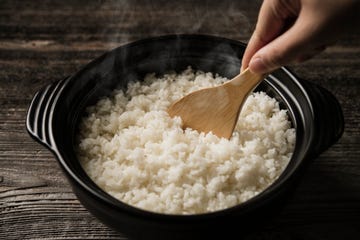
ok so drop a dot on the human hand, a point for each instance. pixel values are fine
(292, 31)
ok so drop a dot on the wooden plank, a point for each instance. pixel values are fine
(42, 43)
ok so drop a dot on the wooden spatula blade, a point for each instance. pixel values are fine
(215, 109)
(194, 111)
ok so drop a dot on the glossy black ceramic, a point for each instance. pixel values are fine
(55, 111)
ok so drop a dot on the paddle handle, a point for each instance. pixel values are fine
(246, 81)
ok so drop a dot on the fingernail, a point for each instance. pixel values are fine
(257, 65)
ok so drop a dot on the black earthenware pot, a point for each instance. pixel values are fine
(56, 109)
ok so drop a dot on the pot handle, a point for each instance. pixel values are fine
(328, 117)
(40, 113)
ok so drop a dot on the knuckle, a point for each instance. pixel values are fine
(275, 58)
(284, 8)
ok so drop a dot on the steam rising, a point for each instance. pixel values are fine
(132, 20)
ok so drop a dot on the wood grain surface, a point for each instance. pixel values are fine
(44, 41)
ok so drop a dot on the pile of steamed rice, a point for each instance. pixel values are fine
(132, 149)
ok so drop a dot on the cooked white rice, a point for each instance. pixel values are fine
(131, 148)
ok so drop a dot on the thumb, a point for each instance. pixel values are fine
(274, 17)
(299, 43)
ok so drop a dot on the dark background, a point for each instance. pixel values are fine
(44, 41)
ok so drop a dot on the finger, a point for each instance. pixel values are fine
(272, 19)
(299, 43)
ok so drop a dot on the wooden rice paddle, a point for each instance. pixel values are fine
(216, 109)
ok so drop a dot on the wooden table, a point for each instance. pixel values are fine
(44, 41)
